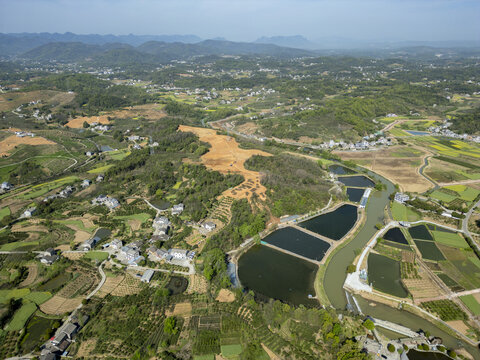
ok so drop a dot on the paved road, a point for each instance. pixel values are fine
(102, 274)
(143, 268)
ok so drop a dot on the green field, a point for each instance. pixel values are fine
(38, 297)
(21, 316)
(96, 255)
(4, 212)
(100, 170)
(429, 250)
(231, 350)
(471, 303)
(18, 244)
(77, 223)
(41, 189)
(401, 212)
(450, 239)
(204, 357)
(119, 154)
(142, 217)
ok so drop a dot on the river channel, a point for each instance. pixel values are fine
(335, 274)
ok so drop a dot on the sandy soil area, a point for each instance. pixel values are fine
(459, 326)
(77, 123)
(401, 170)
(226, 157)
(58, 305)
(225, 296)
(11, 142)
(181, 309)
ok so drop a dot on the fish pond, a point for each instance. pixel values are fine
(420, 232)
(103, 233)
(355, 194)
(384, 275)
(273, 274)
(422, 355)
(298, 242)
(395, 235)
(429, 250)
(356, 180)
(335, 224)
(340, 170)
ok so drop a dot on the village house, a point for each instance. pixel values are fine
(108, 201)
(89, 244)
(116, 244)
(147, 276)
(99, 178)
(209, 225)
(29, 212)
(179, 254)
(6, 186)
(401, 198)
(86, 183)
(177, 209)
(49, 256)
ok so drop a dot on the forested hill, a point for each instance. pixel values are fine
(153, 51)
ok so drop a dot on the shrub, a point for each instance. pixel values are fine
(391, 348)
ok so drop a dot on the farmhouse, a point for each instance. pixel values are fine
(116, 244)
(29, 212)
(49, 256)
(86, 183)
(147, 276)
(6, 186)
(108, 201)
(401, 198)
(89, 244)
(177, 209)
(180, 254)
(209, 225)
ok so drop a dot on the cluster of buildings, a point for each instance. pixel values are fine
(401, 198)
(48, 257)
(108, 201)
(367, 142)
(63, 194)
(161, 226)
(89, 244)
(22, 134)
(128, 254)
(443, 130)
(57, 346)
(5, 186)
(94, 126)
(171, 256)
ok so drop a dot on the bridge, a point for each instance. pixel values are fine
(314, 234)
(395, 327)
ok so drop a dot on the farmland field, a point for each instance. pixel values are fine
(454, 240)
(471, 303)
(21, 316)
(96, 255)
(401, 212)
(420, 232)
(429, 250)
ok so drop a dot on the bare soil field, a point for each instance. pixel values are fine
(20, 228)
(32, 275)
(77, 123)
(226, 157)
(197, 284)
(86, 347)
(111, 283)
(459, 325)
(403, 170)
(225, 296)
(58, 305)
(11, 101)
(128, 286)
(180, 309)
(10, 143)
(73, 255)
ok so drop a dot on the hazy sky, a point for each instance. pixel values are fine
(248, 19)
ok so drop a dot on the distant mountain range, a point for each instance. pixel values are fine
(123, 49)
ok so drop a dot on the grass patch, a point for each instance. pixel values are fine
(6, 295)
(4, 212)
(143, 217)
(41, 189)
(119, 154)
(18, 244)
(401, 212)
(450, 239)
(429, 250)
(21, 317)
(471, 303)
(177, 185)
(38, 297)
(231, 350)
(96, 255)
(100, 170)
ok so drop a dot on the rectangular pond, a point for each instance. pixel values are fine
(384, 275)
(334, 224)
(429, 250)
(356, 180)
(298, 242)
(355, 194)
(276, 275)
(420, 232)
(395, 235)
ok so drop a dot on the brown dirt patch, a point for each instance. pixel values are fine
(459, 325)
(477, 296)
(134, 224)
(81, 236)
(32, 275)
(77, 123)
(11, 142)
(225, 296)
(129, 286)
(110, 284)
(73, 255)
(58, 305)
(226, 157)
(180, 309)
(400, 170)
(86, 347)
(197, 284)
(20, 228)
